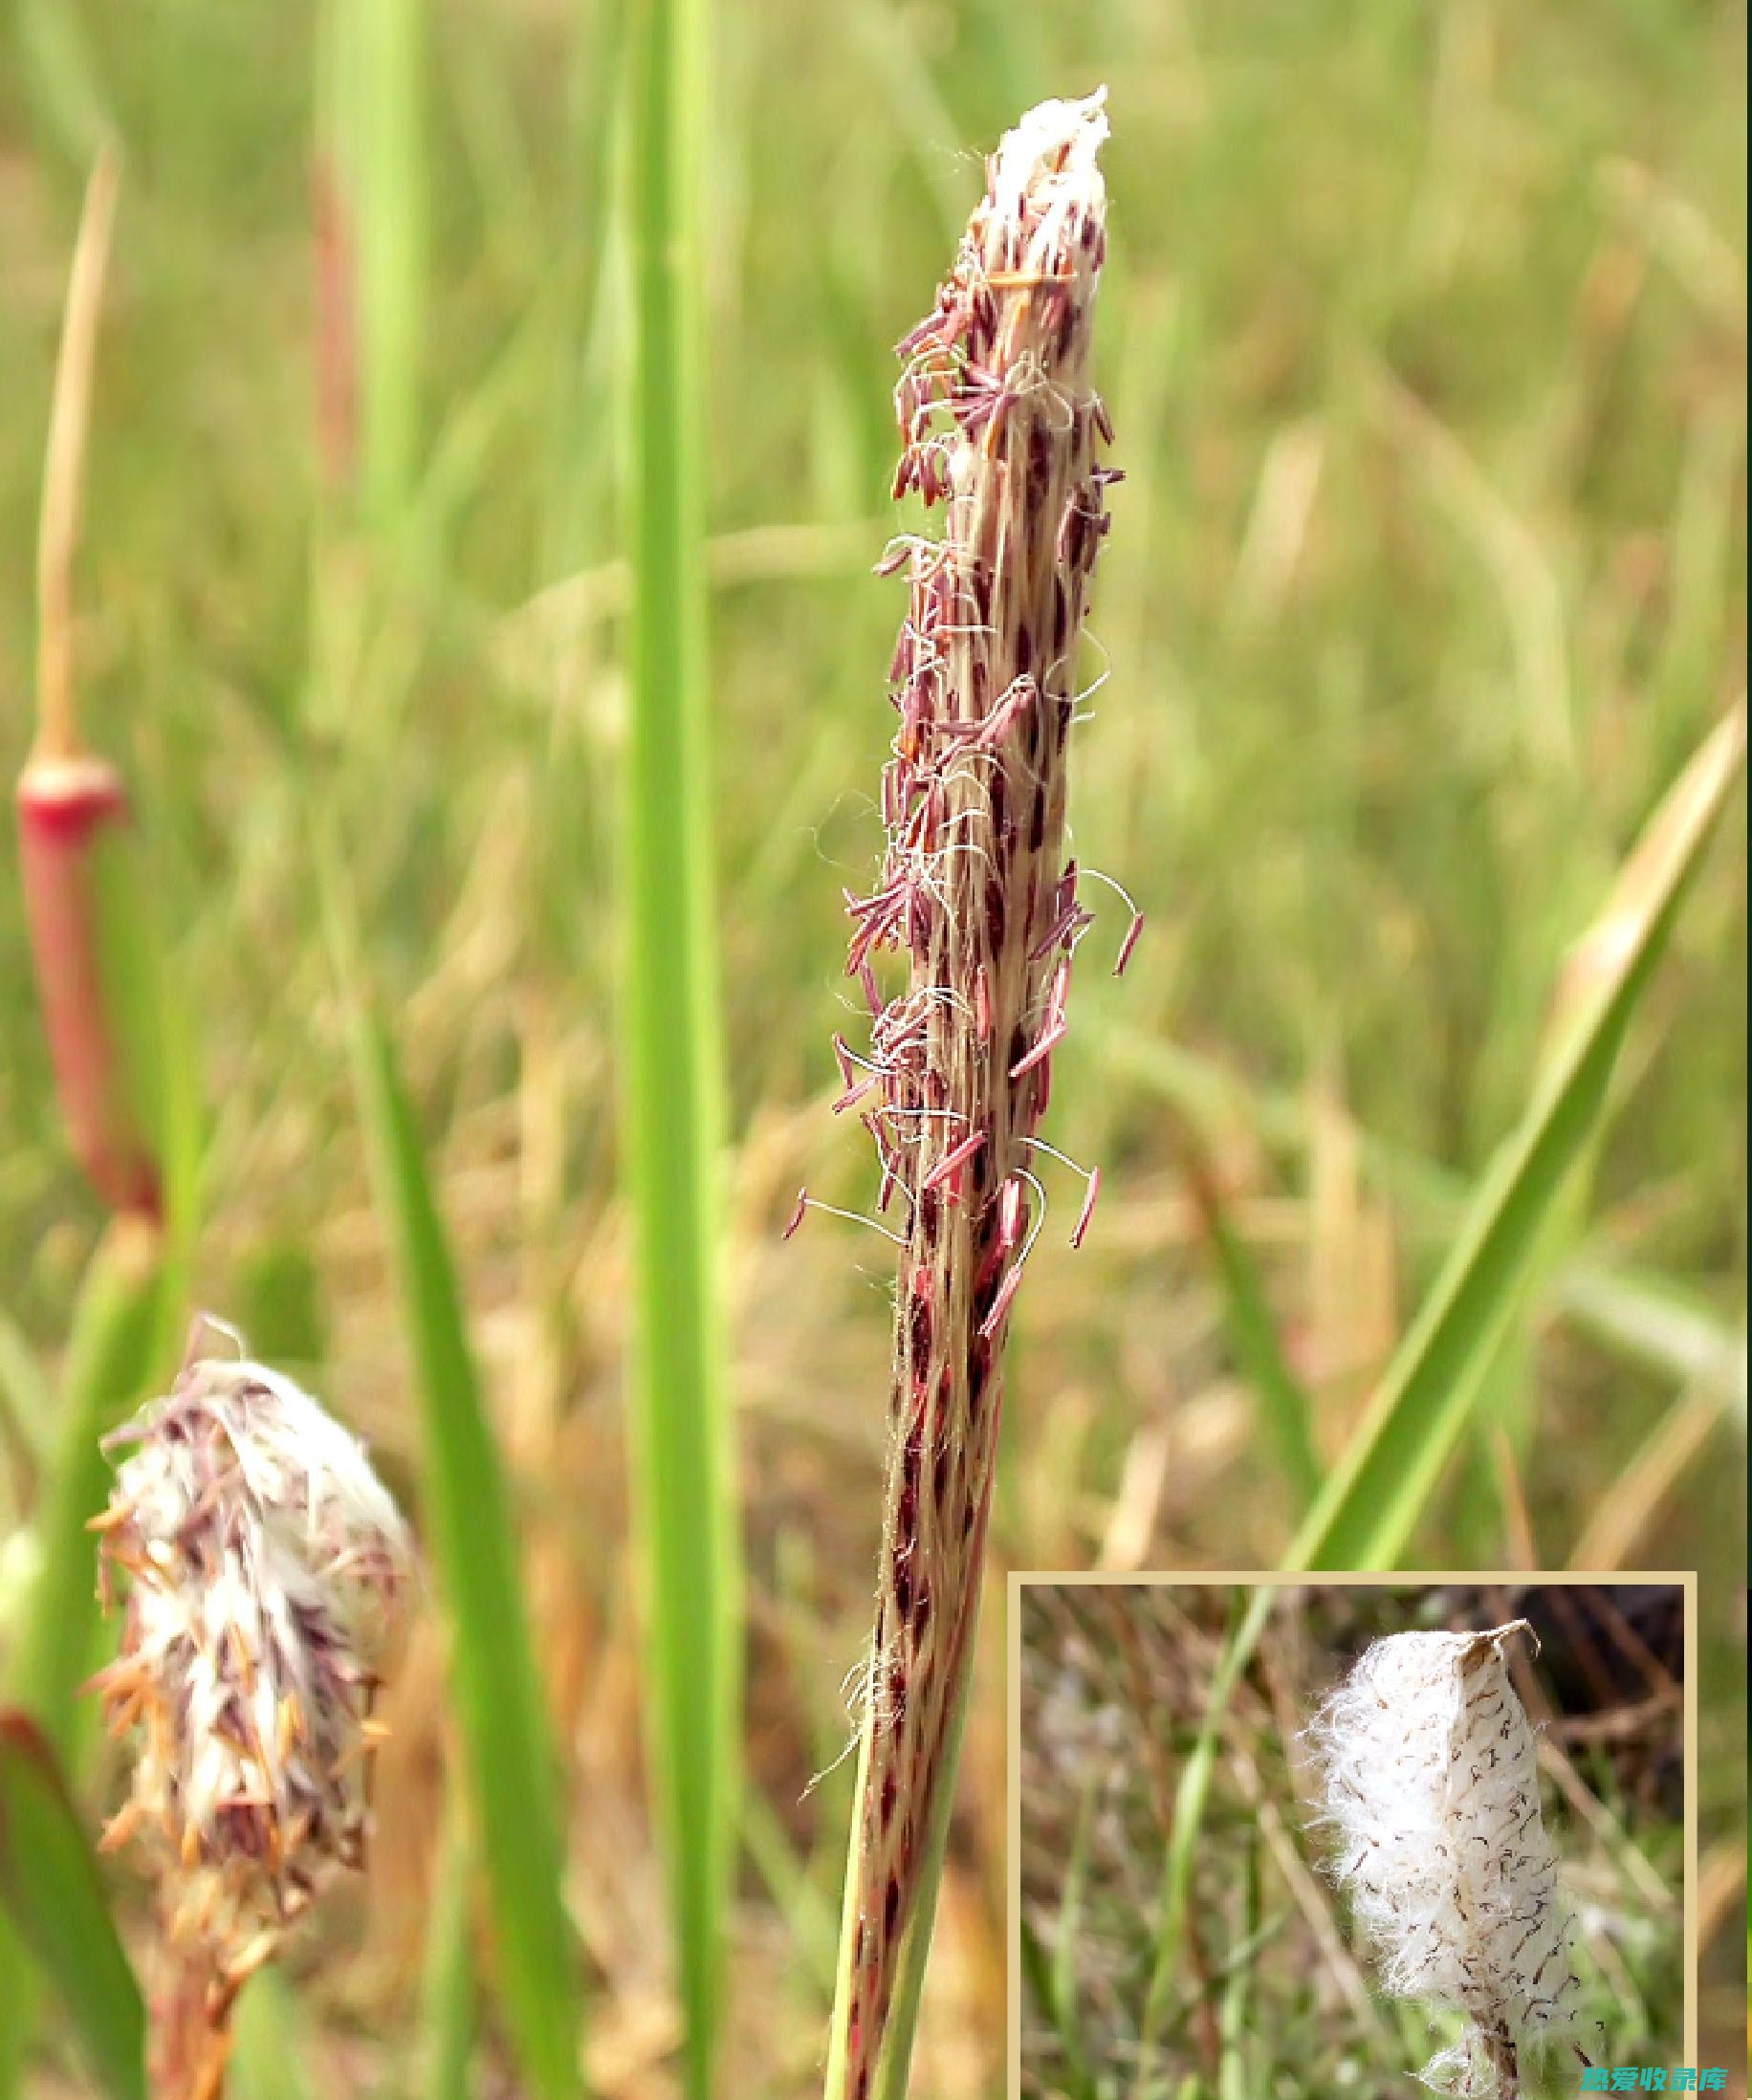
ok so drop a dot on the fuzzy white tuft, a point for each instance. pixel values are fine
(1430, 1782)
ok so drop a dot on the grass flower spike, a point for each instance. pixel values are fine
(1001, 430)
(1431, 1782)
(268, 1573)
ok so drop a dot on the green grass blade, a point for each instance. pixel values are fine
(1054, 1979)
(449, 1985)
(158, 1055)
(20, 2007)
(110, 1355)
(57, 69)
(1070, 1910)
(1233, 2025)
(372, 92)
(1371, 1502)
(496, 1690)
(680, 1428)
(797, 1894)
(1182, 1852)
(839, 2037)
(1036, 1964)
(1284, 1403)
(54, 1897)
(267, 2060)
(25, 1413)
(1038, 1969)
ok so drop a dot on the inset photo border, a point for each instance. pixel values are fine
(1262, 1847)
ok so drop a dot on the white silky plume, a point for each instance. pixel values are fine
(1430, 1780)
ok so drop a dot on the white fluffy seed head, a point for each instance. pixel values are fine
(1429, 1785)
(269, 1577)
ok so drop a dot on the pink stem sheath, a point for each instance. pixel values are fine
(70, 802)
(66, 810)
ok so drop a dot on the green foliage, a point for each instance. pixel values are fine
(1372, 1503)
(110, 1357)
(67, 100)
(495, 1685)
(267, 2057)
(1286, 1408)
(115, 1345)
(680, 1423)
(449, 1989)
(53, 1894)
(1186, 1832)
(372, 129)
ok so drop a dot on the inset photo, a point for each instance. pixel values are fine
(1277, 1840)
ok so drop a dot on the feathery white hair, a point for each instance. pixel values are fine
(1430, 1780)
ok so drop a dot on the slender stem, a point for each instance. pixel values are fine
(192, 2028)
(896, 2069)
(64, 466)
(1505, 2062)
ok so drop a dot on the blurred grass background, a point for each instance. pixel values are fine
(1275, 1997)
(1424, 334)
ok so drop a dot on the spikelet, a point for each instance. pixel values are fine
(268, 1574)
(1431, 1784)
(1002, 426)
